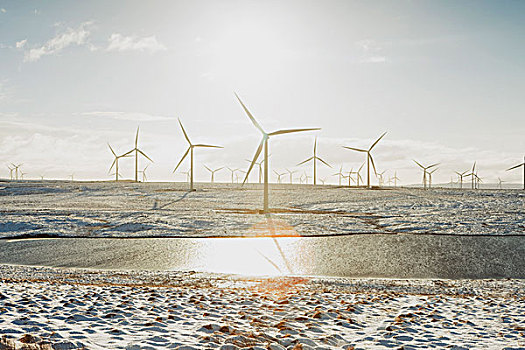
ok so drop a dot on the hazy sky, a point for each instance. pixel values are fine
(446, 79)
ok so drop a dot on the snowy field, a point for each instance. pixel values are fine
(106, 209)
(71, 309)
(60, 308)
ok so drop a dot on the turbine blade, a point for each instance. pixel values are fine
(211, 171)
(137, 138)
(184, 156)
(415, 161)
(474, 167)
(315, 145)
(144, 154)
(255, 157)
(127, 154)
(203, 145)
(324, 162)
(433, 165)
(250, 115)
(304, 161)
(288, 131)
(355, 149)
(112, 150)
(112, 164)
(375, 143)
(373, 165)
(361, 167)
(219, 168)
(184, 132)
(516, 166)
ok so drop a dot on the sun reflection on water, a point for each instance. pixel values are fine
(261, 256)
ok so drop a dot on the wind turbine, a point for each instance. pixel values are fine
(380, 176)
(291, 174)
(478, 180)
(322, 181)
(232, 171)
(359, 174)
(517, 166)
(190, 150)
(460, 176)
(144, 177)
(115, 161)
(279, 176)
(22, 175)
(430, 177)
(306, 177)
(264, 143)
(395, 178)
(237, 176)
(340, 174)
(349, 176)
(213, 172)
(259, 164)
(10, 172)
(137, 151)
(187, 173)
(369, 158)
(425, 172)
(72, 176)
(315, 158)
(473, 175)
(16, 167)
(500, 181)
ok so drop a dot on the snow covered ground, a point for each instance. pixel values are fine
(70, 309)
(106, 209)
(57, 308)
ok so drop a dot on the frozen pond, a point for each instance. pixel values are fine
(366, 255)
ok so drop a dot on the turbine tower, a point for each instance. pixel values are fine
(369, 158)
(517, 166)
(137, 151)
(190, 150)
(264, 143)
(425, 172)
(213, 172)
(315, 158)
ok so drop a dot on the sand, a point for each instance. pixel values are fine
(70, 309)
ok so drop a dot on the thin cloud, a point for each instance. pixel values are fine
(3, 10)
(371, 51)
(20, 44)
(119, 42)
(55, 45)
(375, 59)
(133, 116)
